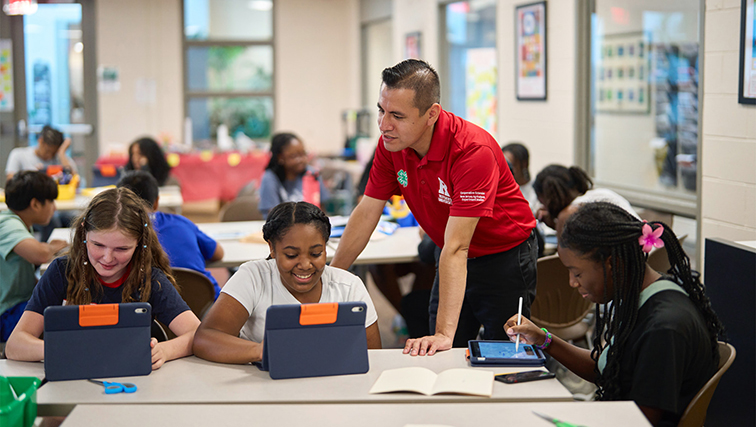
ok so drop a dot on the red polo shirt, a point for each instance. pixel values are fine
(464, 174)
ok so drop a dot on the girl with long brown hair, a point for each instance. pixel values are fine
(115, 257)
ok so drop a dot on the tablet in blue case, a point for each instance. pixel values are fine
(502, 353)
(97, 341)
(313, 340)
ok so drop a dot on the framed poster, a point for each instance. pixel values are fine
(6, 75)
(412, 46)
(747, 81)
(622, 74)
(530, 51)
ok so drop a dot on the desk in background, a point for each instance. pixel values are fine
(616, 414)
(396, 248)
(170, 197)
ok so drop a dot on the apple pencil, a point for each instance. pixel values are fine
(519, 321)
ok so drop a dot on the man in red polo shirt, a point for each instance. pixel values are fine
(456, 182)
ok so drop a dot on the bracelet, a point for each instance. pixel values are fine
(545, 343)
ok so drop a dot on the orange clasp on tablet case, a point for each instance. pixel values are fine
(98, 315)
(319, 314)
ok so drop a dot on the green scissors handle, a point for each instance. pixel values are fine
(555, 421)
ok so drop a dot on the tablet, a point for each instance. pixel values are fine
(97, 341)
(502, 353)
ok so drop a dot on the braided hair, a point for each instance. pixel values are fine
(556, 186)
(121, 209)
(282, 217)
(602, 230)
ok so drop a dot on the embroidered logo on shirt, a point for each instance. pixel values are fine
(443, 193)
(472, 196)
(401, 176)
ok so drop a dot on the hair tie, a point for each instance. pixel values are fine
(145, 246)
(650, 238)
(145, 224)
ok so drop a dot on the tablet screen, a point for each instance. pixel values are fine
(505, 350)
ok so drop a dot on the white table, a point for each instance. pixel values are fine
(193, 380)
(170, 197)
(399, 247)
(616, 414)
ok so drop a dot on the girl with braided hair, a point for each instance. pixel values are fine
(294, 273)
(656, 337)
(115, 257)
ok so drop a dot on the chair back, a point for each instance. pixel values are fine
(241, 209)
(557, 306)
(695, 413)
(196, 289)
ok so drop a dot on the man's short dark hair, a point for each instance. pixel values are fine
(28, 185)
(416, 75)
(142, 183)
(51, 136)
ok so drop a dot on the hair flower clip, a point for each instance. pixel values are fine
(651, 238)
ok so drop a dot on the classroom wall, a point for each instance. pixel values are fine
(728, 194)
(142, 39)
(547, 128)
(317, 69)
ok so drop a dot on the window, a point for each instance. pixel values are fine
(229, 68)
(469, 61)
(644, 101)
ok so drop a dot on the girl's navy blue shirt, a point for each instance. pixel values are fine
(51, 290)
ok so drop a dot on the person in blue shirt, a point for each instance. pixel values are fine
(284, 179)
(185, 244)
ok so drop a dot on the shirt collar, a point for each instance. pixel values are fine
(440, 139)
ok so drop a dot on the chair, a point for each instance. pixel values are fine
(196, 289)
(557, 306)
(658, 258)
(695, 413)
(241, 209)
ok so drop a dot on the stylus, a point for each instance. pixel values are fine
(519, 321)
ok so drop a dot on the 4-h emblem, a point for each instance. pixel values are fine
(401, 176)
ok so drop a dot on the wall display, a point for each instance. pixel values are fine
(480, 85)
(530, 51)
(622, 74)
(747, 83)
(412, 46)
(6, 75)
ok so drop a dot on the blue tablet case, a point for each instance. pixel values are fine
(314, 340)
(97, 341)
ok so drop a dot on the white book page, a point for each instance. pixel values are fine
(416, 379)
(465, 381)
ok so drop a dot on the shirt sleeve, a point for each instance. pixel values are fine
(242, 287)
(51, 288)
(13, 165)
(12, 232)
(206, 243)
(659, 370)
(269, 196)
(475, 177)
(382, 183)
(165, 300)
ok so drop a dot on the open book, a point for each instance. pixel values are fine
(427, 382)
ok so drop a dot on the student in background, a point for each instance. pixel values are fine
(656, 342)
(559, 187)
(30, 197)
(287, 177)
(295, 273)
(115, 257)
(145, 154)
(519, 159)
(184, 243)
(50, 150)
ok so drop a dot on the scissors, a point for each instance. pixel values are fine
(114, 387)
(555, 421)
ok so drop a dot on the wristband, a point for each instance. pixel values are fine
(545, 343)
